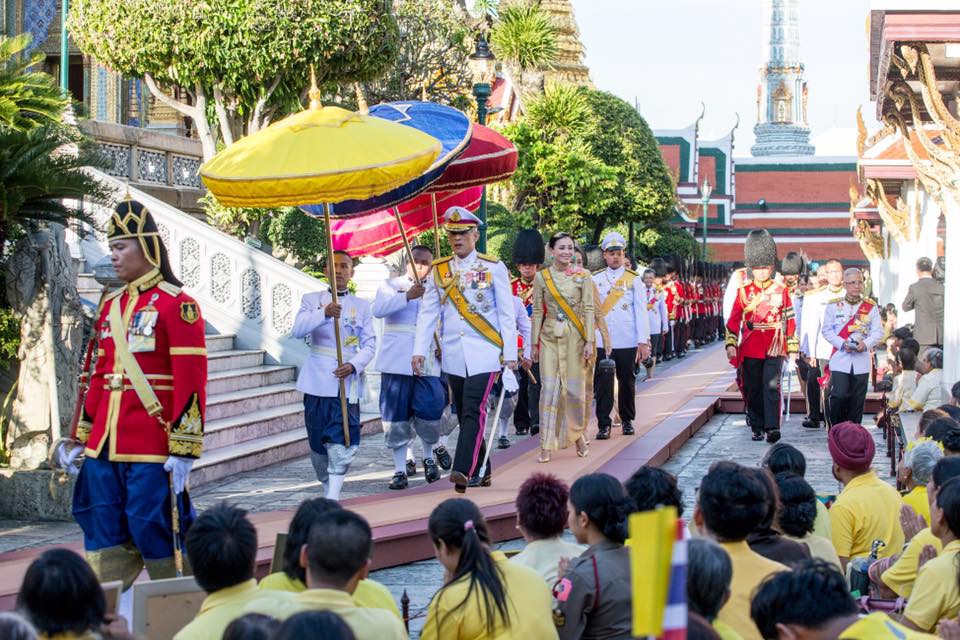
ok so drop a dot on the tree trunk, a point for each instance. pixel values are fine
(42, 287)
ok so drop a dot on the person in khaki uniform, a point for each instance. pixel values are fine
(593, 598)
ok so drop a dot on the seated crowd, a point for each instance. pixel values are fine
(766, 559)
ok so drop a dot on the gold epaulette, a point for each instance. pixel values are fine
(835, 300)
(116, 293)
(514, 279)
(631, 271)
(169, 288)
(810, 292)
(599, 271)
(441, 260)
(487, 257)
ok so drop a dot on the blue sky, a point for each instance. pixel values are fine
(672, 54)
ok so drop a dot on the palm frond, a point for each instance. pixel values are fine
(525, 37)
(562, 109)
(29, 97)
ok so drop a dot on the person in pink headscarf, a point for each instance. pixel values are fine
(868, 508)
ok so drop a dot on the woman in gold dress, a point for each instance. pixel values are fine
(564, 344)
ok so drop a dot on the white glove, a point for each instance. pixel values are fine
(179, 468)
(509, 380)
(66, 452)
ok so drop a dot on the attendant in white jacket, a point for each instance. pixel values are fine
(471, 293)
(852, 327)
(657, 318)
(320, 376)
(410, 406)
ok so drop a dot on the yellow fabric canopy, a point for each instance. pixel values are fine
(321, 154)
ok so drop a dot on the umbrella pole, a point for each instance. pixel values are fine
(332, 275)
(406, 243)
(436, 224)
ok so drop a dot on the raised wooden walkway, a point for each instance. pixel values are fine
(670, 409)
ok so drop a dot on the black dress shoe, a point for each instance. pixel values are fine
(477, 481)
(534, 429)
(811, 424)
(399, 481)
(431, 471)
(411, 468)
(523, 430)
(757, 436)
(773, 436)
(628, 429)
(604, 433)
(503, 442)
(443, 458)
(460, 481)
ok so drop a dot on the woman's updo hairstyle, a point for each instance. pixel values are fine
(605, 502)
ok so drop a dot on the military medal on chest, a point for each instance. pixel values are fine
(141, 336)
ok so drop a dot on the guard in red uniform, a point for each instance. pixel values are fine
(528, 255)
(674, 301)
(761, 331)
(142, 420)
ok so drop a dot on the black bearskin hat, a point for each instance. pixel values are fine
(792, 265)
(659, 267)
(528, 247)
(132, 220)
(760, 250)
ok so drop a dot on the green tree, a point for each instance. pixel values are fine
(621, 139)
(525, 38)
(232, 66)
(431, 63)
(28, 97)
(664, 239)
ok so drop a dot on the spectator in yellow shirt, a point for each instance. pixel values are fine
(293, 578)
(337, 557)
(813, 602)
(868, 508)
(222, 548)
(541, 518)
(252, 626)
(484, 595)
(936, 593)
(914, 473)
(796, 516)
(709, 572)
(783, 457)
(899, 578)
(731, 503)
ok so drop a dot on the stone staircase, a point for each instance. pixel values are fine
(254, 412)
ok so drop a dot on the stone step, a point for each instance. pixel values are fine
(248, 455)
(234, 359)
(217, 343)
(249, 377)
(252, 425)
(233, 403)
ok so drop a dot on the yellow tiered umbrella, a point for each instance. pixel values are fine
(321, 154)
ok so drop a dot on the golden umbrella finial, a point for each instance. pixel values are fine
(314, 92)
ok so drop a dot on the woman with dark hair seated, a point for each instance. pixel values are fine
(314, 624)
(798, 511)
(484, 595)
(765, 539)
(541, 518)
(593, 599)
(709, 572)
(783, 457)
(370, 593)
(61, 597)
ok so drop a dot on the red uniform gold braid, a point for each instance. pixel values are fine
(174, 364)
(762, 321)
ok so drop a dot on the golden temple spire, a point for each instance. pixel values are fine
(568, 67)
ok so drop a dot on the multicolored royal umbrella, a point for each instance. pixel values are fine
(321, 154)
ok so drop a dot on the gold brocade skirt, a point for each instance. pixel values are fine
(565, 392)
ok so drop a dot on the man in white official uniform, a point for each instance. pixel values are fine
(852, 327)
(471, 292)
(320, 375)
(410, 406)
(812, 345)
(657, 318)
(622, 304)
(510, 399)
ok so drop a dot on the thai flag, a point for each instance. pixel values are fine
(675, 613)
